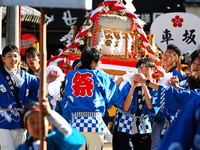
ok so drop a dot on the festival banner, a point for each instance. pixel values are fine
(180, 29)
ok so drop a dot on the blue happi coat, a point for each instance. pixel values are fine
(183, 83)
(178, 74)
(87, 91)
(58, 141)
(28, 91)
(184, 133)
(172, 100)
(124, 93)
(126, 121)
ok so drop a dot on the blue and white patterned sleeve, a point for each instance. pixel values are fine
(184, 133)
(171, 99)
(123, 94)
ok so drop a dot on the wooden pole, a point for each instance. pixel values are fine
(126, 46)
(43, 143)
(179, 64)
(151, 39)
(135, 40)
(74, 32)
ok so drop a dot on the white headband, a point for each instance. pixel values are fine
(75, 68)
(143, 64)
(29, 112)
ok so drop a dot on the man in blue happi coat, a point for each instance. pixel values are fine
(17, 89)
(194, 67)
(184, 133)
(88, 91)
(170, 59)
(170, 98)
(135, 104)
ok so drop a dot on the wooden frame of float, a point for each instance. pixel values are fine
(109, 71)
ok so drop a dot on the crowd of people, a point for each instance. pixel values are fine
(149, 115)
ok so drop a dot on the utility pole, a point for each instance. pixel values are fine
(12, 28)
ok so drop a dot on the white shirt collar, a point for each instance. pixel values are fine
(9, 71)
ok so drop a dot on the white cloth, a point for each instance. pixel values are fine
(16, 78)
(127, 78)
(54, 87)
(167, 76)
(60, 123)
(36, 145)
(11, 139)
(108, 136)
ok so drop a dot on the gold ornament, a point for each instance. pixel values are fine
(106, 34)
(81, 42)
(136, 32)
(106, 9)
(141, 50)
(89, 22)
(82, 38)
(149, 49)
(140, 41)
(122, 13)
(108, 43)
(89, 34)
(138, 36)
(142, 54)
(116, 43)
(134, 57)
(70, 49)
(132, 32)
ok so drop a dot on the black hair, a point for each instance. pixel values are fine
(146, 61)
(88, 55)
(195, 55)
(185, 68)
(75, 63)
(8, 48)
(194, 81)
(33, 51)
(1, 62)
(57, 51)
(28, 107)
(175, 49)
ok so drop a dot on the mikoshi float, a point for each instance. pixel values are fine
(118, 33)
(115, 31)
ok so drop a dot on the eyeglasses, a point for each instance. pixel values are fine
(169, 54)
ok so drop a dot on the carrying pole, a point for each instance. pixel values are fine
(43, 54)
